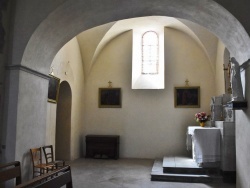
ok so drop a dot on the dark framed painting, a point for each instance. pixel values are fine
(187, 97)
(110, 98)
(54, 84)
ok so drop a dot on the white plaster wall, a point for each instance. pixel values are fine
(91, 50)
(30, 122)
(68, 67)
(148, 123)
(242, 136)
(219, 76)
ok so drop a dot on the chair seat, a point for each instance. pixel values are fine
(49, 157)
(45, 166)
(60, 161)
(57, 163)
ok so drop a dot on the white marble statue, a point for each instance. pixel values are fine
(237, 91)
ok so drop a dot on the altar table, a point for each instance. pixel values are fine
(205, 143)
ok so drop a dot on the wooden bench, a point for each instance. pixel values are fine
(55, 179)
(10, 171)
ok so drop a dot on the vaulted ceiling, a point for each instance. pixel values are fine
(92, 41)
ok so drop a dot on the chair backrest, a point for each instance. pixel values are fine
(55, 179)
(10, 171)
(36, 156)
(48, 153)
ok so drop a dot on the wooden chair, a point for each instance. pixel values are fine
(10, 171)
(55, 179)
(39, 168)
(49, 157)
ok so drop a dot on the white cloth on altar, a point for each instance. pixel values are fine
(190, 133)
(189, 141)
(207, 145)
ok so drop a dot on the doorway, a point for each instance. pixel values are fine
(63, 122)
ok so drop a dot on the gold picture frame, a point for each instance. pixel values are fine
(187, 97)
(110, 98)
(53, 91)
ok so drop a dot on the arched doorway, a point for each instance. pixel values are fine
(63, 122)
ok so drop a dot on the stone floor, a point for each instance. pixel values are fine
(124, 173)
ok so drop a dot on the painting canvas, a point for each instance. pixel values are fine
(187, 97)
(53, 90)
(110, 98)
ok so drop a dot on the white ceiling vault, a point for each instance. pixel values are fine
(91, 46)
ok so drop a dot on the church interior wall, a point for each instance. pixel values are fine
(25, 19)
(67, 65)
(242, 137)
(5, 16)
(31, 113)
(31, 107)
(148, 117)
(220, 80)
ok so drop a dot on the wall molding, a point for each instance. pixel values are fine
(28, 70)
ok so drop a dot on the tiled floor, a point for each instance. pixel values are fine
(124, 173)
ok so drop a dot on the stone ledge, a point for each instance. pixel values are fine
(237, 105)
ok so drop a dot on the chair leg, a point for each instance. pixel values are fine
(42, 171)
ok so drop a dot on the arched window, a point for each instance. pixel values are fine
(148, 57)
(150, 53)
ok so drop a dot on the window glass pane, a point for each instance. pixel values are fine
(150, 53)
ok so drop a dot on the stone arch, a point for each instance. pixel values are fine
(47, 40)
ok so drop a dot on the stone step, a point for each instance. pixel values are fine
(157, 174)
(184, 165)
